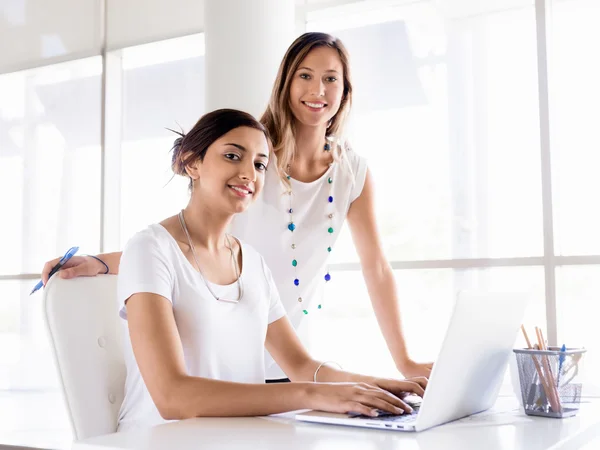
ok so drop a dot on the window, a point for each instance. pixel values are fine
(447, 113)
(50, 180)
(574, 96)
(163, 87)
(49, 163)
(456, 163)
(578, 290)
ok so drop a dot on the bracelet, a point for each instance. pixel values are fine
(103, 263)
(321, 365)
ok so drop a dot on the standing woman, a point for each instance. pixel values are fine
(319, 183)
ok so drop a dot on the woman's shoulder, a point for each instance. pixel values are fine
(153, 236)
(355, 159)
(355, 165)
(248, 250)
(252, 257)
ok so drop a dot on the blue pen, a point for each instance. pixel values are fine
(561, 360)
(57, 267)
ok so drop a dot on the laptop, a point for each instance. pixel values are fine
(468, 372)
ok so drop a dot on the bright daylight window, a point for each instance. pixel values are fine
(446, 111)
(163, 87)
(574, 96)
(50, 180)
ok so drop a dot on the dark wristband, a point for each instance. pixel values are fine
(103, 263)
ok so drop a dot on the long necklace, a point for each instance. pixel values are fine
(292, 226)
(237, 271)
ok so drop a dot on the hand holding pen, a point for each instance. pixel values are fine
(71, 266)
(70, 253)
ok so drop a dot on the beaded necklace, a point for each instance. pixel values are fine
(291, 226)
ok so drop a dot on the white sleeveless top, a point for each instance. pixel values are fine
(265, 226)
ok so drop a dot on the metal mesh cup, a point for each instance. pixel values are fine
(550, 381)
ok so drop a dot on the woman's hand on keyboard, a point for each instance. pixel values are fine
(363, 398)
(416, 385)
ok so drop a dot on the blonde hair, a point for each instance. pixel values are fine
(278, 118)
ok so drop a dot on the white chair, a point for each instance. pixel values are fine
(85, 332)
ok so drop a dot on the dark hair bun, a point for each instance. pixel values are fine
(177, 164)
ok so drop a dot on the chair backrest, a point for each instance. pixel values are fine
(85, 332)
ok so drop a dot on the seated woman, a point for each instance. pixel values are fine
(201, 306)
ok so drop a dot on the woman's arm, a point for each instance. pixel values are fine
(112, 260)
(84, 266)
(379, 279)
(286, 349)
(159, 355)
(177, 395)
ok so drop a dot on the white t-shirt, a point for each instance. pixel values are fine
(265, 226)
(221, 340)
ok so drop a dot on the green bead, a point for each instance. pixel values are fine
(319, 306)
(294, 263)
(305, 311)
(329, 249)
(330, 230)
(330, 180)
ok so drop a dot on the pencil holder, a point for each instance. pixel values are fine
(550, 381)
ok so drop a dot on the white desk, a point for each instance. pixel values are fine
(505, 427)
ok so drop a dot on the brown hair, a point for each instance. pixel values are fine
(278, 117)
(192, 146)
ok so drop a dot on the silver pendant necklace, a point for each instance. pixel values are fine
(237, 271)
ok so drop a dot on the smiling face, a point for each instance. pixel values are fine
(232, 172)
(317, 87)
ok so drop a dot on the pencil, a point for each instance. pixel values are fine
(554, 399)
(547, 389)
